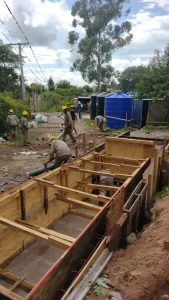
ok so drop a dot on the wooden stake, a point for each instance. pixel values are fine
(84, 142)
(81, 213)
(126, 120)
(94, 133)
(23, 207)
(46, 203)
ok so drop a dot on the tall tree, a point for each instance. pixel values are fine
(51, 85)
(63, 84)
(103, 36)
(9, 62)
(131, 77)
(155, 82)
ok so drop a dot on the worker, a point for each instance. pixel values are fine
(67, 125)
(13, 122)
(24, 127)
(79, 109)
(100, 121)
(74, 118)
(103, 180)
(59, 151)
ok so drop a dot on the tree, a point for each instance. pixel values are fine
(155, 82)
(51, 85)
(102, 37)
(131, 77)
(9, 61)
(63, 84)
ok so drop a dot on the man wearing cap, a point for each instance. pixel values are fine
(59, 150)
(74, 118)
(24, 127)
(67, 125)
(100, 121)
(13, 122)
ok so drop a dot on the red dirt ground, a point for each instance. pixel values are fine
(141, 272)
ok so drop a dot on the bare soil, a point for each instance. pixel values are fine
(141, 272)
(155, 133)
(14, 165)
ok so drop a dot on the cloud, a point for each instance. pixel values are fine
(149, 6)
(122, 64)
(161, 3)
(46, 25)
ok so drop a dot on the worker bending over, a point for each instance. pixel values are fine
(104, 180)
(74, 118)
(25, 128)
(100, 121)
(67, 125)
(59, 151)
(13, 122)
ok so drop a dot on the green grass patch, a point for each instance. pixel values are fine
(155, 128)
(159, 195)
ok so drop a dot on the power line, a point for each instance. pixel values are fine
(17, 49)
(25, 38)
(9, 40)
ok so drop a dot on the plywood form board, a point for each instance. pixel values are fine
(115, 168)
(117, 159)
(129, 148)
(60, 275)
(114, 214)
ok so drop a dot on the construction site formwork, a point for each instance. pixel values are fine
(39, 258)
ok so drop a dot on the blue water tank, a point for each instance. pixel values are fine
(116, 105)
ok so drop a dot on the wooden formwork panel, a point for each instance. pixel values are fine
(129, 148)
(127, 166)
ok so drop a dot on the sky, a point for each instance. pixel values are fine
(46, 24)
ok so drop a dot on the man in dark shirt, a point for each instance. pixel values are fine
(74, 117)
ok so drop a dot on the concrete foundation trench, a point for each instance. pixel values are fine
(53, 228)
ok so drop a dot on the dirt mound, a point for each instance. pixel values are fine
(141, 272)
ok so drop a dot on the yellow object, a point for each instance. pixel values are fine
(11, 110)
(64, 107)
(104, 120)
(0, 144)
(108, 170)
(25, 113)
(72, 106)
(52, 138)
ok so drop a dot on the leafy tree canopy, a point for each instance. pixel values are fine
(51, 85)
(155, 82)
(103, 37)
(9, 61)
(63, 84)
(130, 77)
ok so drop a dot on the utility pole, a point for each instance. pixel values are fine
(21, 66)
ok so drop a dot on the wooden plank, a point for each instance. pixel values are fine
(11, 295)
(103, 199)
(124, 140)
(109, 164)
(91, 261)
(98, 186)
(23, 207)
(46, 199)
(116, 228)
(17, 283)
(55, 241)
(126, 159)
(81, 213)
(81, 203)
(13, 277)
(56, 280)
(49, 232)
(120, 176)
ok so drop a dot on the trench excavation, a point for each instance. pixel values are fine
(52, 228)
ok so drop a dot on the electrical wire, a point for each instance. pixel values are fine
(25, 38)
(17, 48)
